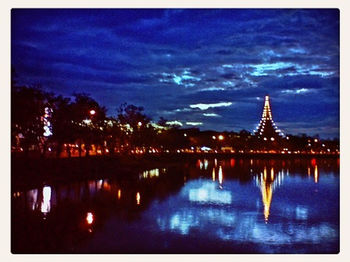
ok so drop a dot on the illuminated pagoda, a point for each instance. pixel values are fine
(267, 129)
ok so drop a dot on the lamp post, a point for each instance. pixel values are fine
(220, 138)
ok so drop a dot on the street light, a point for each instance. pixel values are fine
(221, 137)
(139, 124)
(92, 112)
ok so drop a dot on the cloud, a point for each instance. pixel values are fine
(206, 106)
(297, 91)
(194, 123)
(184, 78)
(160, 60)
(263, 69)
(175, 122)
(212, 89)
(183, 110)
(211, 114)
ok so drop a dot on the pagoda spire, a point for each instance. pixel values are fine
(267, 129)
(267, 109)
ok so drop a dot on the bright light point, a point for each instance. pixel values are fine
(87, 121)
(213, 137)
(185, 134)
(89, 218)
(220, 175)
(265, 138)
(316, 174)
(138, 198)
(221, 137)
(204, 148)
(46, 202)
(316, 140)
(150, 173)
(139, 123)
(272, 139)
(92, 112)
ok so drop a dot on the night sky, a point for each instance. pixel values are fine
(204, 68)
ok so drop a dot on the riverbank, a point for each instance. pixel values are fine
(28, 172)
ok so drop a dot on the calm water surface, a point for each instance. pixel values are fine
(208, 206)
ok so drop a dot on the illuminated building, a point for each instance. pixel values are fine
(267, 129)
(47, 123)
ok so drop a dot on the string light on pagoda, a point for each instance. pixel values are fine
(267, 127)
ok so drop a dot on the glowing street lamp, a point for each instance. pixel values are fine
(138, 198)
(92, 112)
(221, 137)
(139, 124)
(89, 218)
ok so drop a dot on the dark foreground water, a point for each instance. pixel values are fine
(208, 206)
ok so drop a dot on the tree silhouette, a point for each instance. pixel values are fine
(136, 125)
(27, 109)
(62, 125)
(87, 116)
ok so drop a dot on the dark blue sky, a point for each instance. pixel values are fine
(205, 68)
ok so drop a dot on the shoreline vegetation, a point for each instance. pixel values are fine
(29, 172)
(49, 125)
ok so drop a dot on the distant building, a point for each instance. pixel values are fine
(227, 149)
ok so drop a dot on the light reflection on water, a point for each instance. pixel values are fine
(46, 202)
(237, 220)
(268, 203)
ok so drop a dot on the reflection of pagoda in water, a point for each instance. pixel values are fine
(266, 191)
(267, 182)
(272, 177)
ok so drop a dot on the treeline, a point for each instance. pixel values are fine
(42, 121)
(46, 123)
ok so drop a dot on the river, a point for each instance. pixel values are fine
(204, 206)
